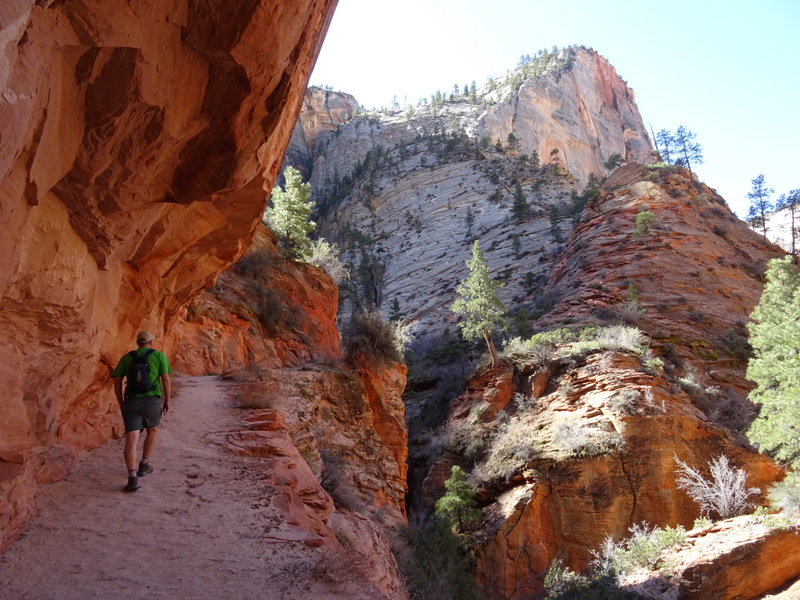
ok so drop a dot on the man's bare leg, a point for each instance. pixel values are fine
(149, 443)
(131, 442)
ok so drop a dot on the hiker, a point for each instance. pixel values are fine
(146, 372)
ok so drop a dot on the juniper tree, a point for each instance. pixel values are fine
(479, 302)
(775, 365)
(289, 215)
(760, 204)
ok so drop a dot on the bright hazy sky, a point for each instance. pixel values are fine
(727, 70)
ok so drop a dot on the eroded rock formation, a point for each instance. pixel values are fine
(332, 436)
(688, 280)
(138, 140)
(423, 182)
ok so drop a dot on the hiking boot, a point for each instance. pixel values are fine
(144, 469)
(133, 484)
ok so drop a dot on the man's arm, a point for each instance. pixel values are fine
(166, 387)
(118, 390)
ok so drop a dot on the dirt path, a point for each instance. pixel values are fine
(194, 530)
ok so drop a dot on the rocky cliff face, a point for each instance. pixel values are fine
(332, 434)
(138, 140)
(406, 192)
(688, 281)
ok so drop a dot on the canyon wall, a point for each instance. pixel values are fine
(332, 433)
(422, 183)
(577, 445)
(139, 139)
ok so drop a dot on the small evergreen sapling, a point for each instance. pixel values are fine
(459, 503)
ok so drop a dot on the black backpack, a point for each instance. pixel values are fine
(138, 377)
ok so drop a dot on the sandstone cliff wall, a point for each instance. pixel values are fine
(688, 281)
(332, 434)
(138, 140)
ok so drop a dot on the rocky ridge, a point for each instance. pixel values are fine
(628, 412)
(413, 188)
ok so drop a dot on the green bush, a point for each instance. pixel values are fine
(644, 220)
(561, 583)
(644, 549)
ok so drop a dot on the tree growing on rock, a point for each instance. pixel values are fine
(791, 203)
(760, 204)
(689, 151)
(775, 365)
(289, 215)
(479, 302)
(459, 504)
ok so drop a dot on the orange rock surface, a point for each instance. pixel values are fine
(695, 276)
(138, 141)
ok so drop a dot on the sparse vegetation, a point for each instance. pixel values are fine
(784, 496)
(325, 255)
(435, 564)
(725, 494)
(643, 549)
(644, 221)
(369, 335)
(548, 345)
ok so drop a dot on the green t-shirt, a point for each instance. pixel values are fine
(158, 366)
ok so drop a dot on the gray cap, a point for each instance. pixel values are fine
(144, 337)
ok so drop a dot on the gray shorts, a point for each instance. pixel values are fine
(141, 412)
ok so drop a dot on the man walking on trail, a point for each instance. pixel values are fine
(147, 381)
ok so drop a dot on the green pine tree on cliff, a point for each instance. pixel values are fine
(479, 303)
(459, 503)
(289, 215)
(775, 366)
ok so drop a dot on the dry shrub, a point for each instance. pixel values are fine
(334, 564)
(369, 335)
(252, 395)
(724, 494)
(254, 265)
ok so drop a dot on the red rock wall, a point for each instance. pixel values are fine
(139, 138)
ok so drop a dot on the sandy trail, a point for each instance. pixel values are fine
(194, 530)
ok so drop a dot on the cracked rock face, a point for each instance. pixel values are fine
(138, 140)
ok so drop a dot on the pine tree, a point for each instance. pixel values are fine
(519, 208)
(459, 503)
(688, 150)
(760, 204)
(775, 366)
(479, 303)
(791, 203)
(289, 215)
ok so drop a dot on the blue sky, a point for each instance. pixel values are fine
(729, 71)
